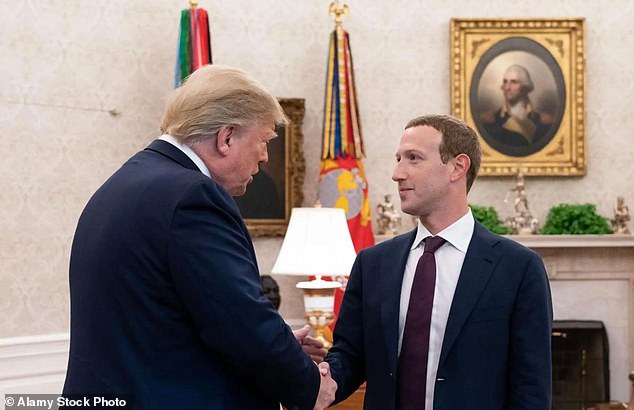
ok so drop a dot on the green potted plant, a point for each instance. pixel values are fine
(575, 219)
(488, 217)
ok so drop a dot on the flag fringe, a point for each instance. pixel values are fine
(194, 50)
(342, 137)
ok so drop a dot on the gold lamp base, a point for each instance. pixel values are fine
(319, 304)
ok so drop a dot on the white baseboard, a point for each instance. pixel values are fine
(33, 364)
(37, 364)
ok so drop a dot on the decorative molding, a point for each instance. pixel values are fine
(33, 364)
(575, 241)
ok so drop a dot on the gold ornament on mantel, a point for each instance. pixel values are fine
(522, 223)
(621, 217)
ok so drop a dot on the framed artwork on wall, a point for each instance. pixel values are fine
(277, 188)
(520, 84)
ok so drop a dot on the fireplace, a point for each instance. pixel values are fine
(580, 364)
(592, 280)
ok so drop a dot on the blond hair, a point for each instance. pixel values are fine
(215, 96)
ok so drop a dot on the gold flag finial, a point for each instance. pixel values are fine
(193, 3)
(339, 10)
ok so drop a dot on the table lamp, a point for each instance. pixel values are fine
(317, 242)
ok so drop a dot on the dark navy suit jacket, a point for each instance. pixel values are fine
(166, 302)
(496, 348)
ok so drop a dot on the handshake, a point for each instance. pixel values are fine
(315, 349)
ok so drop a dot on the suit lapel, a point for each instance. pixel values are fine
(168, 150)
(391, 269)
(480, 260)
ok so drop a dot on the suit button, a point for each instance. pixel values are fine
(391, 375)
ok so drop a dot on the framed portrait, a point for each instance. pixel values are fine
(520, 84)
(277, 188)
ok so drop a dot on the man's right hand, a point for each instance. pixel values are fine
(327, 387)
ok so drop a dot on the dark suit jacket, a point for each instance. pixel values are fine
(510, 138)
(496, 348)
(166, 302)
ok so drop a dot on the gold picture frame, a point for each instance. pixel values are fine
(547, 136)
(278, 187)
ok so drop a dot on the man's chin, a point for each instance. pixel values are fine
(242, 189)
(408, 210)
(239, 191)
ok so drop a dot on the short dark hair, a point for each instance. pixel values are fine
(457, 138)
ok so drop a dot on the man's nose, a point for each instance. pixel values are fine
(398, 174)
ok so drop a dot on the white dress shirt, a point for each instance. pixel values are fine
(449, 259)
(187, 151)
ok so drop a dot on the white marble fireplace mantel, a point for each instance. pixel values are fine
(592, 278)
(575, 241)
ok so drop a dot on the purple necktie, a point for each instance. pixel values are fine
(412, 366)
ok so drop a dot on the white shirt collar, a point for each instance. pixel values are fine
(187, 151)
(457, 234)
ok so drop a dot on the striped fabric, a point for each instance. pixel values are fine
(194, 50)
(342, 181)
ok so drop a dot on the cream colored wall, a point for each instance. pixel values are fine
(64, 64)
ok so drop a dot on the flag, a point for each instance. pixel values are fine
(194, 50)
(342, 182)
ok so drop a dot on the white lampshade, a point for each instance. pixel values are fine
(317, 242)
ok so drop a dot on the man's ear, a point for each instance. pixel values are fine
(223, 140)
(462, 162)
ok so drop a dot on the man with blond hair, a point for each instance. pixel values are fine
(166, 304)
